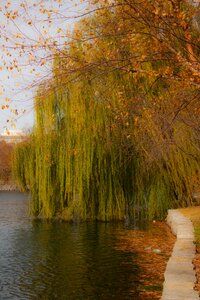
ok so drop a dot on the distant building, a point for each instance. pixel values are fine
(13, 136)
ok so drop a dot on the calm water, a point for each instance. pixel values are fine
(40, 260)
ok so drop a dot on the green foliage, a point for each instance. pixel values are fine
(197, 234)
(110, 141)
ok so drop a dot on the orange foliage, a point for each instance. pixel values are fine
(5, 160)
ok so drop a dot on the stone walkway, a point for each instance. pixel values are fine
(180, 275)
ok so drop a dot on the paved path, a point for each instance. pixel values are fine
(180, 275)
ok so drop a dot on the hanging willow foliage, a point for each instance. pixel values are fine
(109, 143)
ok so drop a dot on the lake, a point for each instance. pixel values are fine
(60, 260)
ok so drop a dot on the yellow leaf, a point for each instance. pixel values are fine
(43, 62)
(31, 57)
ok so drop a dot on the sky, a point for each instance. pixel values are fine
(25, 28)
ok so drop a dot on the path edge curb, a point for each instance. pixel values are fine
(180, 275)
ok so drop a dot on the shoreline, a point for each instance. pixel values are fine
(180, 276)
(9, 186)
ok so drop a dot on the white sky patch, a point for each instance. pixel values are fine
(29, 30)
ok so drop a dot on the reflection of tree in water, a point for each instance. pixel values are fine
(74, 261)
(151, 262)
(42, 260)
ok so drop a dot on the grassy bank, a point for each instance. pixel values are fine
(193, 213)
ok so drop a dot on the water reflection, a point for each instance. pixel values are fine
(40, 260)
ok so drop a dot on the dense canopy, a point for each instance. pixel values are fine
(117, 126)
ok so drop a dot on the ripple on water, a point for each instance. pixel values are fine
(43, 260)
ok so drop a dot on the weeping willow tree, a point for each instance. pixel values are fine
(114, 132)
